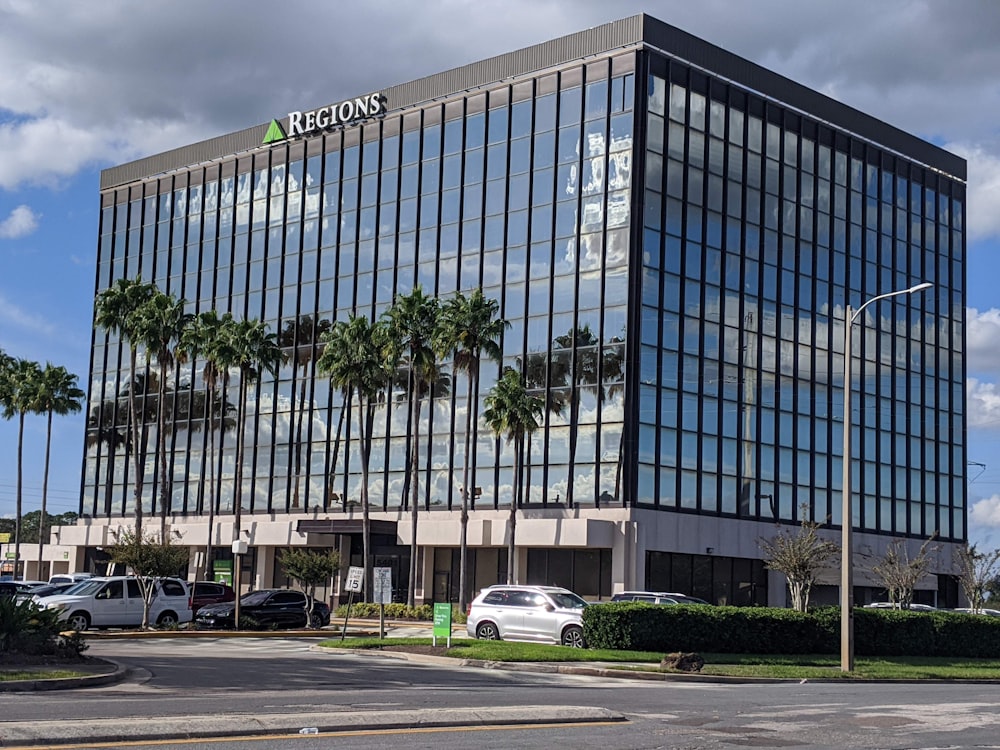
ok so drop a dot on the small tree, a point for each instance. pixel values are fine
(899, 573)
(978, 573)
(800, 557)
(148, 559)
(309, 569)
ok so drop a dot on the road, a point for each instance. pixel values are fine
(249, 681)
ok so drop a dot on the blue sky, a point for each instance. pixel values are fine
(90, 85)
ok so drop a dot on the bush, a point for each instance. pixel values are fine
(763, 630)
(396, 611)
(27, 630)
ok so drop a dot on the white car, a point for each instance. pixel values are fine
(116, 601)
(911, 608)
(70, 577)
(546, 614)
(980, 611)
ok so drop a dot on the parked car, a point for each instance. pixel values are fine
(116, 601)
(271, 608)
(209, 592)
(70, 577)
(911, 608)
(546, 614)
(46, 589)
(980, 611)
(11, 589)
(656, 597)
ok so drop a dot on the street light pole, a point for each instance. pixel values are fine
(846, 543)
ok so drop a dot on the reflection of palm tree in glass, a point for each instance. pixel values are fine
(439, 388)
(298, 340)
(578, 366)
(209, 337)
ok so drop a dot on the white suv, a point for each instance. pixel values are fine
(546, 614)
(116, 601)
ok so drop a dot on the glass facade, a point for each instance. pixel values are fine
(524, 190)
(760, 226)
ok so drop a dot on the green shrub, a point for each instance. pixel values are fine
(764, 630)
(26, 629)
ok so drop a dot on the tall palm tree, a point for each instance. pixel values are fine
(160, 321)
(210, 337)
(57, 393)
(255, 351)
(470, 327)
(511, 410)
(412, 321)
(115, 310)
(354, 356)
(22, 380)
(299, 339)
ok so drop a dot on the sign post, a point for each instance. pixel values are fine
(355, 582)
(442, 623)
(382, 589)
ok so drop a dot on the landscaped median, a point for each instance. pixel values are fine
(745, 666)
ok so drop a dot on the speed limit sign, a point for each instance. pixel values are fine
(355, 578)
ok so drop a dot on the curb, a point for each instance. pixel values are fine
(116, 675)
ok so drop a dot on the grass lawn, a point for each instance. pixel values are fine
(734, 665)
(41, 673)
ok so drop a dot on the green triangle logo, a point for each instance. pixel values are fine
(274, 133)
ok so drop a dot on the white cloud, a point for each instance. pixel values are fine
(21, 221)
(986, 512)
(984, 190)
(982, 342)
(982, 403)
(16, 317)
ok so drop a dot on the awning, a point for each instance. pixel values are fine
(342, 526)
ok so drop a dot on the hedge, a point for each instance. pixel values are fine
(765, 630)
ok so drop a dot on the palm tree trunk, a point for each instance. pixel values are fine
(161, 442)
(45, 495)
(332, 465)
(364, 431)
(414, 488)
(238, 472)
(463, 548)
(210, 409)
(292, 428)
(110, 473)
(298, 441)
(136, 457)
(17, 512)
(515, 497)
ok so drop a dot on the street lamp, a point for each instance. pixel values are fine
(846, 563)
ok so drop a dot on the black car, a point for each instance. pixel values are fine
(270, 608)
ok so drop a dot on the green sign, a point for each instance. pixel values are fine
(274, 133)
(442, 620)
(223, 570)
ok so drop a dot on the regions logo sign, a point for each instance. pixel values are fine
(324, 118)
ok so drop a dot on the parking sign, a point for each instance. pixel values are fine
(383, 586)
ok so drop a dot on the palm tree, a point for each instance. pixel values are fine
(21, 384)
(57, 393)
(210, 337)
(299, 338)
(115, 310)
(412, 321)
(159, 325)
(511, 410)
(255, 351)
(469, 328)
(354, 356)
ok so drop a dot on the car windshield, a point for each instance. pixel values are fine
(85, 588)
(254, 597)
(566, 600)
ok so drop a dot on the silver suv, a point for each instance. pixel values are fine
(546, 614)
(116, 601)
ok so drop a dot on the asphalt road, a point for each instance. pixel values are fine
(180, 687)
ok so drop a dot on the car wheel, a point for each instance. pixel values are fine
(316, 620)
(573, 637)
(487, 631)
(167, 620)
(78, 621)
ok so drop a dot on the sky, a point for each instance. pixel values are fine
(86, 86)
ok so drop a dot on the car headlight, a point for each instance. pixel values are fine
(57, 606)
